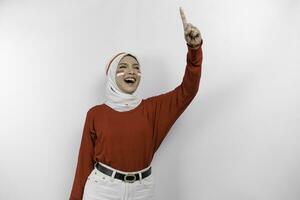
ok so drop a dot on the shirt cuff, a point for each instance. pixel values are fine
(195, 48)
(194, 57)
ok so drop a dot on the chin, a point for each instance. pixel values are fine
(130, 91)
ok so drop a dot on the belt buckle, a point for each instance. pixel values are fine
(129, 181)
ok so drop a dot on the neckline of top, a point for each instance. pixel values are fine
(128, 111)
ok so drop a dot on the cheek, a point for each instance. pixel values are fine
(119, 80)
(119, 77)
(120, 74)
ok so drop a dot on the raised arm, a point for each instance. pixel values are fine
(85, 163)
(166, 108)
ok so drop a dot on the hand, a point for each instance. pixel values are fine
(191, 33)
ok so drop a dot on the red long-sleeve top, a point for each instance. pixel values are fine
(128, 140)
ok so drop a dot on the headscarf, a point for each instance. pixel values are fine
(114, 96)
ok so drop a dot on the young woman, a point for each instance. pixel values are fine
(121, 136)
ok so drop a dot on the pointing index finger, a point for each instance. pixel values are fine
(183, 18)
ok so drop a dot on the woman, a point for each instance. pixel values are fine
(121, 136)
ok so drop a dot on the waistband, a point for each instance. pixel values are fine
(124, 172)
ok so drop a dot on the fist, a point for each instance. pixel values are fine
(191, 33)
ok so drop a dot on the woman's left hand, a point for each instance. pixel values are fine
(192, 34)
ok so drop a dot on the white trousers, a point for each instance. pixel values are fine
(100, 186)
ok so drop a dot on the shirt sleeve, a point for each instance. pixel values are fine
(85, 162)
(166, 108)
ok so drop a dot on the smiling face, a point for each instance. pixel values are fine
(127, 77)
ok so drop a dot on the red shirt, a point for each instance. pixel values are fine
(128, 140)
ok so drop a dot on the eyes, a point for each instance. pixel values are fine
(123, 66)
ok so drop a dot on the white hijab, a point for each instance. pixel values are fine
(114, 97)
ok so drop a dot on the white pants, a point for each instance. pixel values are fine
(100, 186)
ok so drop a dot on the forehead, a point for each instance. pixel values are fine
(128, 60)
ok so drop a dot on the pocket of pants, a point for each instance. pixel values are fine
(149, 180)
(100, 186)
(98, 177)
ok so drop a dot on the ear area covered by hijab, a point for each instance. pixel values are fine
(114, 97)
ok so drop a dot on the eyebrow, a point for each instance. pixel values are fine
(127, 64)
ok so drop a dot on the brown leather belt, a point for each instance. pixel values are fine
(129, 178)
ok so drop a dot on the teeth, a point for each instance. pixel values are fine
(132, 79)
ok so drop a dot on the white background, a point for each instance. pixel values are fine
(238, 139)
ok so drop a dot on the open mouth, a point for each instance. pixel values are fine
(130, 80)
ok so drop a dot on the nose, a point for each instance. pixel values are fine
(131, 71)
